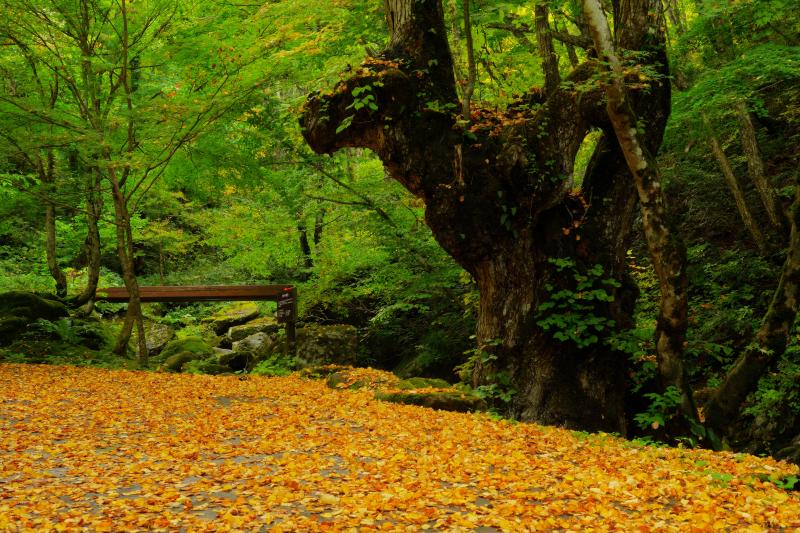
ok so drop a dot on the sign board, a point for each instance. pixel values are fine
(286, 306)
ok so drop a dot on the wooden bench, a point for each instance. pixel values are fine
(284, 295)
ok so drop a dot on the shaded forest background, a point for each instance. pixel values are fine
(218, 185)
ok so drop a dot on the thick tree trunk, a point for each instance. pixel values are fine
(503, 208)
(722, 408)
(733, 185)
(666, 248)
(755, 165)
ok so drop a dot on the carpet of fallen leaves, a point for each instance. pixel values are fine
(95, 450)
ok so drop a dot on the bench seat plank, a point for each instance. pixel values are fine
(196, 293)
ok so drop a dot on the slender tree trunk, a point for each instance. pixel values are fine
(47, 177)
(125, 251)
(665, 245)
(52, 257)
(675, 16)
(545, 41)
(733, 185)
(469, 88)
(319, 226)
(756, 165)
(94, 210)
(571, 53)
(722, 409)
(122, 214)
(305, 246)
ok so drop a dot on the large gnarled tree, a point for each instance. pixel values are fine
(499, 197)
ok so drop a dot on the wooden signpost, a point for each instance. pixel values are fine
(284, 295)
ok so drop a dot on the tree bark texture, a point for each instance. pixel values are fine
(733, 185)
(498, 197)
(666, 248)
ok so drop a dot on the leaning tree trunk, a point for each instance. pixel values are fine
(755, 165)
(666, 248)
(737, 192)
(499, 199)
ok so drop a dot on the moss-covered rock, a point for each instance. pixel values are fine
(336, 344)
(195, 345)
(261, 345)
(422, 383)
(156, 336)
(231, 315)
(341, 380)
(322, 371)
(207, 366)
(265, 324)
(452, 400)
(174, 363)
(18, 309)
(238, 361)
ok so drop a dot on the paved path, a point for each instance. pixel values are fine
(96, 450)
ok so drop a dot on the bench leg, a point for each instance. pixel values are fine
(291, 338)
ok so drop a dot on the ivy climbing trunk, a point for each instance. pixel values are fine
(498, 198)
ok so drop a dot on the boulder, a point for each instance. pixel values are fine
(791, 452)
(237, 361)
(266, 324)
(422, 383)
(195, 345)
(261, 345)
(319, 345)
(208, 366)
(232, 315)
(156, 336)
(19, 308)
(174, 363)
(451, 400)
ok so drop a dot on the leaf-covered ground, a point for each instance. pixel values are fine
(96, 450)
